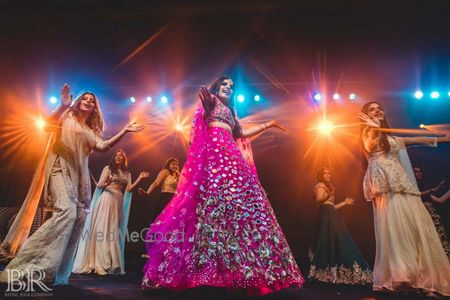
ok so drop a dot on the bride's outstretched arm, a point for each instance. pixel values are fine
(255, 130)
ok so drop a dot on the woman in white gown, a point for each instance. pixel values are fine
(409, 254)
(101, 245)
(67, 192)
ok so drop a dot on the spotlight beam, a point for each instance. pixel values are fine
(142, 46)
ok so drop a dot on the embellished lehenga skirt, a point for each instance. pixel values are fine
(334, 256)
(229, 236)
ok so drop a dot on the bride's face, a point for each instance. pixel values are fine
(225, 89)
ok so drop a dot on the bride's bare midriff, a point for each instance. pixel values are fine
(221, 125)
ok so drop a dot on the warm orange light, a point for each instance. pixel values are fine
(40, 123)
(325, 127)
(178, 127)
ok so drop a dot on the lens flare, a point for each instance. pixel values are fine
(325, 127)
(40, 123)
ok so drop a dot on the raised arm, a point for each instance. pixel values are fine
(208, 100)
(255, 130)
(370, 138)
(159, 179)
(105, 145)
(66, 100)
(442, 198)
(105, 178)
(434, 189)
(425, 140)
(132, 186)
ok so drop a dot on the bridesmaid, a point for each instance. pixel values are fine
(77, 131)
(101, 248)
(409, 255)
(168, 180)
(334, 256)
(428, 198)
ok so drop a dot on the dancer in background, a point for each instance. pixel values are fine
(409, 254)
(220, 229)
(428, 198)
(108, 220)
(334, 256)
(67, 190)
(168, 180)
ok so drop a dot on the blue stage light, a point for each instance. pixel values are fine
(132, 99)
(53, 100)
(434, 94)
(240, 98)
(317, 97)
(418, 94)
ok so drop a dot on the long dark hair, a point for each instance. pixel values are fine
(123, 166)
(320, 178)
(214, 89)
(383, 140)
(168, 162)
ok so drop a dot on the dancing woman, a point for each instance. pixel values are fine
(67, 190)
(102, 244)
(334, 256)
(428, 198)
(168, 180)
(220, 229)
(409, 254)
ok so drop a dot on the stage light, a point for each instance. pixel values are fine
(434, 94)
(418, 94)
(448, 94)
(149, 99)
(325, 128)
(53, 100)
(257, 98)
(132, 99)
(40, 123)
(352, 96)
(164, 99)
(317, 97)
(422, 126)
(336, 96)
(178, 127)
(240, 98)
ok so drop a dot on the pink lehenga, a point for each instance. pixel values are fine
(219, 229)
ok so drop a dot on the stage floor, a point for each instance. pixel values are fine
(128, 287)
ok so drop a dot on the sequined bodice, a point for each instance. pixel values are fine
(119, 181)
(385, 173)
(393, 152)
(169, 184)
(221, 113)
(331, 198)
